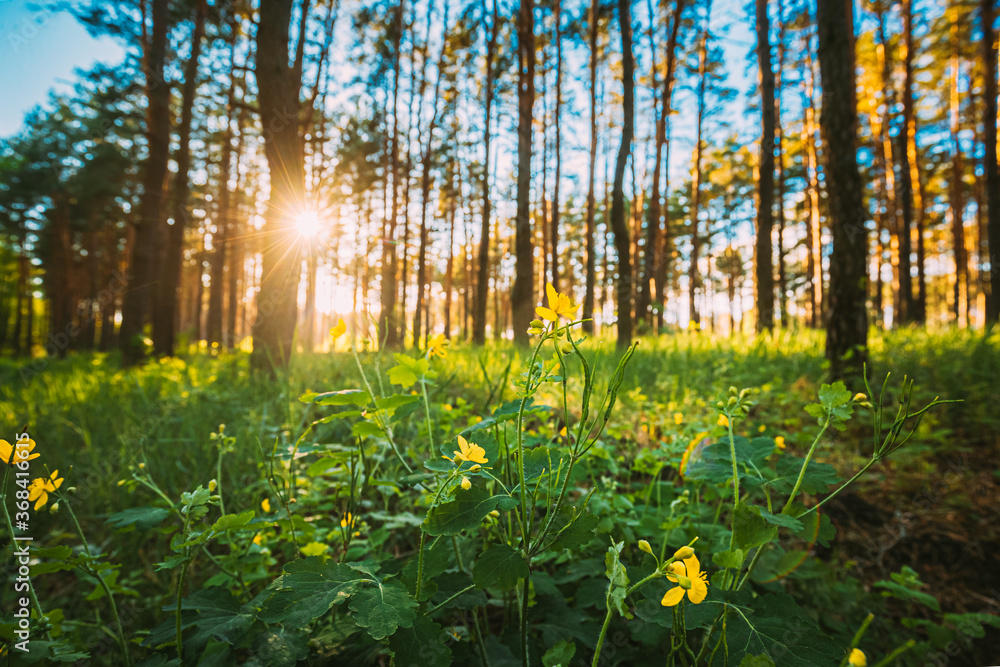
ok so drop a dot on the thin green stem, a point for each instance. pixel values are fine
(805, 464)
(100, 580)
(841, 488)
(600, 639)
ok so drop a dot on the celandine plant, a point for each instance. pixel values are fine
(398, 524)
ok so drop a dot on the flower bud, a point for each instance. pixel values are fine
(683, 582)
(212, 485)
(857, 658)
(644, 546)
(495, 514)
(476, 468)
(566, 348)
(466, 484)
(744, 393)
(537, 324)
(860, 398)
(683, 552)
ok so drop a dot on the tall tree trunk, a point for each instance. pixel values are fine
(388, 323)
(142, 272)
(449, 270)
(884, 153)
(618, 224)
(847, 328)
(814, 258)
(696, 176)
(651, 285)
(522, 295)
(589, 243)
(483, 268)
(556, 199)
(763, 266)
(235, 277)
(961, 291)
(908, 175)
(221, 237)
(165, 315)
(780, 169)
(425, 191)
(991, 172)
(278, 96)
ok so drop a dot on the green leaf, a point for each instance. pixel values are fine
(818, 478)
(756, 661)
(390, 404)
(357, 397)
(281, 647)
(778, 629)
(783, 520)
(573, 530)
(750, 529)
(501, 566)
(234, 522)
(366, 429)
(901, 592)
(381, 608)
(559, 655)
(422, 645)
(618, 580)
(408, 370)
(307, 590)
(219, 616)
(143, 518)
(731, 559)
(466, 511)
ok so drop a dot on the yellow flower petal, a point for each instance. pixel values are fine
(266, 505)
(339, 330)
(546, 314)
(672, 597)
(857, 658)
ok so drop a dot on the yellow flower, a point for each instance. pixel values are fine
(560, 305)
(257, 539)
(8, 456)
(466, 484)
(762, 428)
(347, 521)
(339, 330)
(438, 346)
(723, 420)
(689, 577)
(472, 453)
(678, 418)
(266, 505)
(779, 442)
(857, 658)
(40, 488)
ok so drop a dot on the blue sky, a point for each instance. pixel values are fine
(40, 49)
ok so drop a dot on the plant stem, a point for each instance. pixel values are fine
(805, 464)
(179, 628)
(841, 488)
(100, 580)
(600, 639)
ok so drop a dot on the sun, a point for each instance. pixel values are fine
(307, 224)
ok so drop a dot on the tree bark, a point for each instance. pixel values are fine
(908, 174)
(388, 324)
(991, 173)
(556, 200)
(165, 315)
(141, 287)
(618, 224)
(483, 268)
(763, 266)
(589, 243)
(956, 194)
(425, 191)
(814, 261)
(278, 96)
(847, 328)
(696, 178)
(522, 295)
